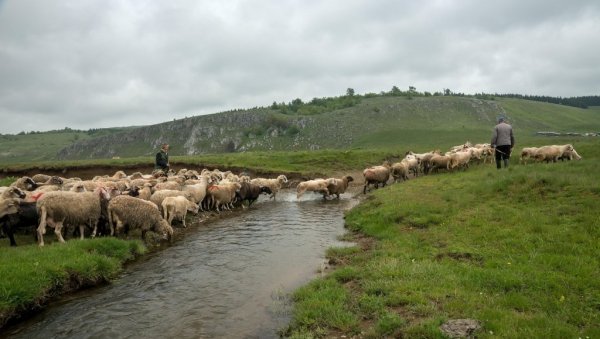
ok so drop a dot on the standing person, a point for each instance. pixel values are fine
(503, 141)
(162, 159)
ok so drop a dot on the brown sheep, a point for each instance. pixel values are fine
(376, 175)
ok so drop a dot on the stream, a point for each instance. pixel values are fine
(227, 278)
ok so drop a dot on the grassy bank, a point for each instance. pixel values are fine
(32, 275)
(517, 250)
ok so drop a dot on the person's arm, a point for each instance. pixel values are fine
(494, 137)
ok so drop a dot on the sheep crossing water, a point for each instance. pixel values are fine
(112, 205)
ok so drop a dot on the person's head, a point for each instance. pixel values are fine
(164, 147)
(501, 120)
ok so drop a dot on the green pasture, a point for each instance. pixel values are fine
(518, 250)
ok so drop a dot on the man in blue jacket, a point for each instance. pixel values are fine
(503, 141)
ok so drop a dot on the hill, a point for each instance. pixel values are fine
(373, 122)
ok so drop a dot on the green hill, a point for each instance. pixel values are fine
(374, 122)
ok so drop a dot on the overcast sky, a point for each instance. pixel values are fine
(91, 64)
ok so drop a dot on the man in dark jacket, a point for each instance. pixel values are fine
(162, 159)
(503, 141)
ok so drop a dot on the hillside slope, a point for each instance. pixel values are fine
(375, 122)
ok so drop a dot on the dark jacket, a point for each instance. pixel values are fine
(162, 161)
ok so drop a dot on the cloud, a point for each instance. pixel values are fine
(117, 63)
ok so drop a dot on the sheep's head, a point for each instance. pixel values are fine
(282, 179)
(8, 206)
(349, 178)
(266, 190)
(15, 192)
(192, 207)
(165, 229)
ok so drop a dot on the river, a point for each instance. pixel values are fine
(227, 278)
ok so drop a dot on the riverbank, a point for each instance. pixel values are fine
(514, 252)
(32, 277)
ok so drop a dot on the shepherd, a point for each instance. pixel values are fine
(503, 141)
(162, 159)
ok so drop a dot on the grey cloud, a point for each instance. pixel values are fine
(115, 63)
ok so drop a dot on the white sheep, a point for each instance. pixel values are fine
(273, 184)
(315, 185)
(70, 208)
(177, 208)
(339, 186)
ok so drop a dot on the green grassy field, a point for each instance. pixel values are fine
(32, 275)
(517, 250)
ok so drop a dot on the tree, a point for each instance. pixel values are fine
(350, 92)
(396, 91)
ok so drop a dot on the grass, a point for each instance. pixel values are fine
(517, 249)
(32, 275)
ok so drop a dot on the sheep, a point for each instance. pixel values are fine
(376, 175)
(177, 208)
(339, 186)
(570, 155)
(54, 183)
(26, 216)
(460, 159)
(528, 153)
(399, 170)
(223, 195)
(13, 192)
(40, 178)
(250, 192)
(63, 207)
(273, 184)
(315, 185)
(552, 153)
(440, 161)
(168, 185)
(136, 214)
(158, 196)
(413, 163)
(25, 184)
(8, 206)
(197, 190)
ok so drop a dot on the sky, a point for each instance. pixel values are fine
(110, 63)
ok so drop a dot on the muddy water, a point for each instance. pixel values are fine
(230, 278)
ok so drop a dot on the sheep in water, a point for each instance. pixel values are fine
(376, 175)
(273, 184)
(64, 207)
(136, 214)
(315, 185)
(339, 186)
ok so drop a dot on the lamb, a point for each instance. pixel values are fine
(136, 214)
(570, 155)
(273, 184)
(339, 186)
(315, 185)
(40, 178)
(63, 207)
(376, 175)
(177, 208)
(158, 196)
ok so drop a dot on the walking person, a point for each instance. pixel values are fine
(162, 159)
(503, 141)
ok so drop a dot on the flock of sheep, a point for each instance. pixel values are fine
(458, 157)
(114, 205)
